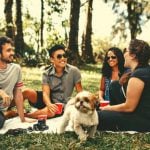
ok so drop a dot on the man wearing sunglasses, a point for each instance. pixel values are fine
(58, 83)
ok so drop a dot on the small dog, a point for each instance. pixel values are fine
(81, 111)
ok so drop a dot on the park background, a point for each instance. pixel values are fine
(87, 28)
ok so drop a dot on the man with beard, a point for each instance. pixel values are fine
(10, 83)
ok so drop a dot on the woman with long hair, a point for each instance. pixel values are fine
(112, 69)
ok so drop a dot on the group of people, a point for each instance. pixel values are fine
(125, 82)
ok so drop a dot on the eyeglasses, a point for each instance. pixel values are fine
(59, 56)
(112, 57)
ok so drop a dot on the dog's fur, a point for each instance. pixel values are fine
(81, 111)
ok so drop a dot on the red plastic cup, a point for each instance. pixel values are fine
(104, 103)
(42, 117)
(60, 108)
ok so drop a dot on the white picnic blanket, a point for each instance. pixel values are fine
(14, 123)
(52, 123)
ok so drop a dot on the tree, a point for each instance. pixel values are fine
(87, 48)
(42, 21)
(132, 18)
(55, 9)
(9, 19)
(135, 11)
(19, 40)
(74, 57)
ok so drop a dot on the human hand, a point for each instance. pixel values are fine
(52, 108)
(105, 107)
(29, 120)
(5, 98)
(101, 99)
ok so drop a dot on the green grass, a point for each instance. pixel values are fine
(68, 140)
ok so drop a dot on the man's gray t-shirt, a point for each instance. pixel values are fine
(61, 87)
(10, 78)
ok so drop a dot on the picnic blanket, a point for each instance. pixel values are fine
(53, 125)
(14, 123)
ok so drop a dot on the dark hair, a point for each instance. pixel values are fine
(106, 69)
(3, 40)
(55, 48)
(142, 51)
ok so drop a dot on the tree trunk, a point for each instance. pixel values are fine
(74, 57)
(88, 35)
(42, 21)
(9, 19)
(19, 41)
(134, 17)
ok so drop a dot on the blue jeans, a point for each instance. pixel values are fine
(2, 119)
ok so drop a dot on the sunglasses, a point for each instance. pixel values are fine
(112, 57)
(59, 56)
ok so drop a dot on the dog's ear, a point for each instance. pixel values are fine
(95, 101)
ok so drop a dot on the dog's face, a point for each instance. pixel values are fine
(85, 102)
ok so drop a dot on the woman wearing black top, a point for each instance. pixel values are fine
(134, 113)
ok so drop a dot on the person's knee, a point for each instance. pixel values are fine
(29, 94)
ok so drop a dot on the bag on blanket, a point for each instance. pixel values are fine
(2, 119)
(16, 132)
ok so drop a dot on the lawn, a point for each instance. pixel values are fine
(68, 140)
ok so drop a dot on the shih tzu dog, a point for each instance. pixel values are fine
(81, 111)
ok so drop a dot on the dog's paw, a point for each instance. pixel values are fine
(83, 137)
(60, 131)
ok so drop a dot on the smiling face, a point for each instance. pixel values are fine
(112, 59)
(7, 54)
(59, 59)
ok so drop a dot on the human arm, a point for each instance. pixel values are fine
(102, 89)
(18, 98)
(78, 87)
(132, 98)
(46, 98)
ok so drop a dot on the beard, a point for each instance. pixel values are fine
(7, 60)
